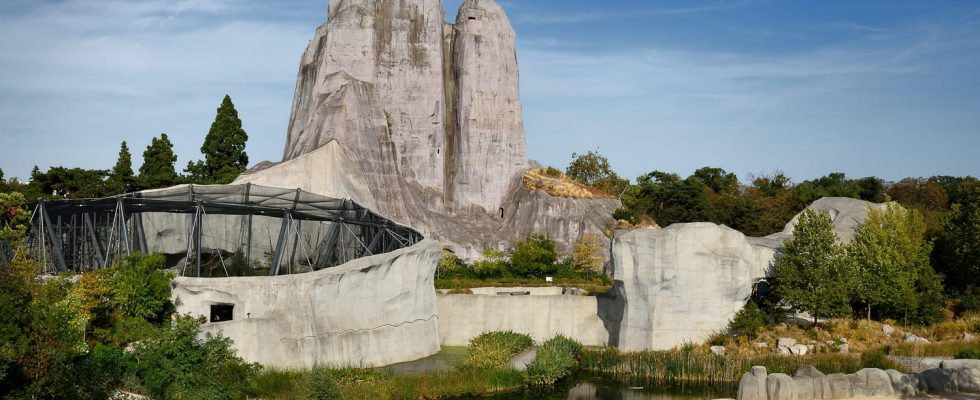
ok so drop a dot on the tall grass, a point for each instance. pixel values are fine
(496, 349)
(940, 349)
(555, 359)
(691, 365)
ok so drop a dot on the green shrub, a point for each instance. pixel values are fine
(625, 214)
(320, 385)
(141, 287)
(495, 349)
(556, 358)
(968, 354)
(176, 363)
(553, 172)
(493, 264)
(535, 257)
(748, 321)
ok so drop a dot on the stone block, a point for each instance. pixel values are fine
(752, 386)
(780, 387)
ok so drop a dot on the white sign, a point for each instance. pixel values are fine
(548, 279)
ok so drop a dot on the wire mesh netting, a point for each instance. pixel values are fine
(212, 231)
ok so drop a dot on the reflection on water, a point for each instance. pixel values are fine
(594, 389)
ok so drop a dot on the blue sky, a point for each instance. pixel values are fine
(889, 88)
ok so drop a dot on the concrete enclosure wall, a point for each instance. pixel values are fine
(370, 312)
(465, 316)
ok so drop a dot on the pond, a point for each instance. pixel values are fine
(595, 388)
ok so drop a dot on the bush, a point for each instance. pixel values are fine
(493, 264)
(555, 360)
(625, 214)
(320, 385)
(748, 321)
(969, 354)
(495, 349)
(141, 287)
(176, 363)
(535, 257)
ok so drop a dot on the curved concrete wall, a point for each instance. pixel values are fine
(370, 312)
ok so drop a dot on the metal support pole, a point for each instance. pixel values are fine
(55, 241)
(123, 227)
(197, 237)
(96, 244)
(277, 257)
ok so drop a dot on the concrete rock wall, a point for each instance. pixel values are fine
(465, 316)
(371, 312)
(682, 283)
(810, 384)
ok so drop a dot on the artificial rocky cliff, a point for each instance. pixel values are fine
(424, 124)
(685, 282)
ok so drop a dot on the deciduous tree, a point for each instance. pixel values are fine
(811, 271)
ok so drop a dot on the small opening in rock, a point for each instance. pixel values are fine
(222, 312)
(472, 18)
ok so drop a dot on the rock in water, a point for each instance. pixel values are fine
(490, 153)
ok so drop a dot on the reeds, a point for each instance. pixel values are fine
(940, 349)
(495, 349)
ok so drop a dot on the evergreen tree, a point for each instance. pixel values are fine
(888, 254)
(158, 170)
(810, 272)
(121, 179)
(223, 149)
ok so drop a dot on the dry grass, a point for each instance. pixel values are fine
(559, 185)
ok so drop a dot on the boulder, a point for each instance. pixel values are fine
(876, 382)
(753, 385)
(958, 364)
(784, 351)
(902, 384)
(843, 349)
(938, 381)
(799, 349)
(718, 350)
(780, 387)
(811, 384)
(912, 338)
(808, 371)
(968, 380)
(840, 387)
(968, 337)
(887, 329)
(786, 342)
(762, 345)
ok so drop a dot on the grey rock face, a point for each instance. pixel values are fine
(490, 153)
(808, 371)
(753, 386)
(887, 329)
(780, 387)
(938, 380)
(902, 384)
(912, 338)
(875, 382)
(683, 282)
(958, 364)
(846, 214)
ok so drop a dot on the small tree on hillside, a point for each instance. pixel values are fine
(811, 270)
(587, 253)
(158, 170)
(593, 169)
(122, 179)
(887, 254)
(224, 148)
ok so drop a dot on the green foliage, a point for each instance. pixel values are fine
(495, 349)
(121, 178)
(968, 354)
(14, 218)
(748, 321)
(833, 185)
(177, 363)
(552, 172)
(958, 255)
(141, 288)
(223, 149)
(158, 170)
(69, 183)
(493, 264)
(594, 170)
(625, 214)
(534, 257)
(812, 269)
(888, 255)
(320, 385)
(668, 199)
(555, 359)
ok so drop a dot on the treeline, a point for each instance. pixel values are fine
(949, 207)
(224, 159)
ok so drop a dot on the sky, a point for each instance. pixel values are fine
(887, 88)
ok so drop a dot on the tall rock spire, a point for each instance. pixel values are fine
(490, 152)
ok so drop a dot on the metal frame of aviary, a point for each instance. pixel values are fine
(81, 235)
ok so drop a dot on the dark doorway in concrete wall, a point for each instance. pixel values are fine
(222, 312)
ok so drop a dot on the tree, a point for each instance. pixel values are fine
(887, 254)
(121, 179)
(958, 252)
(223, 149)
(158, 170)
(668, 199)
(833, 185)
(586, 254)
(811, 271)
(534, 257)
(593, 169)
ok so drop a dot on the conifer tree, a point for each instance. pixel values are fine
(223, 149)
(121, 179)
(158, 170)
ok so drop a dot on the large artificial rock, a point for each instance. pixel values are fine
(370, 312)
(840, 387)
(905, 385)
(780, 387)
(938, 380)
(875, 382)
(846, 213)
(490, 153)
(682, 283)
(957, 364)
(422, 122)
(753, 385)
